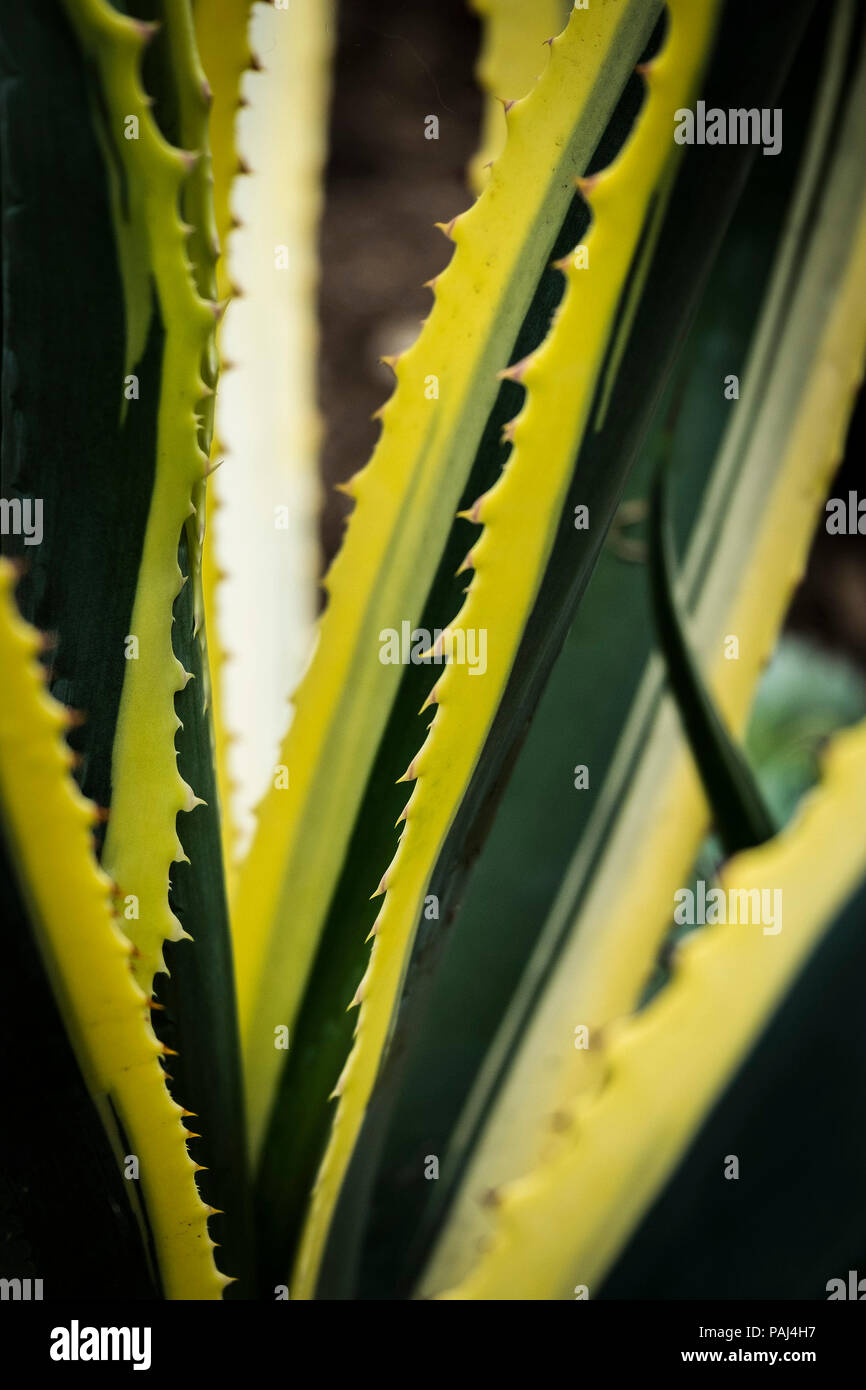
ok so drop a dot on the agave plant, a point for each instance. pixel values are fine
(509, 1073)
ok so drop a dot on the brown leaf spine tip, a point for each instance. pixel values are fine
(150, 1003)
(507, 105)
(190, 1135)
(347, 488)
(217, 1211)
(242, 167)
(508, 430)
(586, 184)
(391, 360)
(73, 718)
(167, 1051)
(447, 228)
(433, 697)
(145, 30)
(434, 280)
(644, 69)
(468, 563)
(516, 371)
(188, 1114)
(474, 512)
(255, 64)
(101, 814)
(383, 884)
(200, 1168)
(491, 1198)
(357, 998)
(410, 774)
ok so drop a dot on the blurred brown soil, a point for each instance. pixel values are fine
(386, 185)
